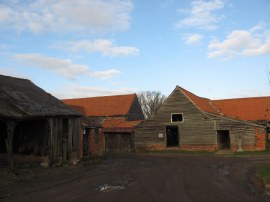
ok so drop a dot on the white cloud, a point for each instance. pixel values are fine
(194, 39)
(240, 42)
(202, 15)
(105, 74)
(62, 15)
(258, 27)
(105, 46)
(259, 50)
(64, 67)
(79, 91)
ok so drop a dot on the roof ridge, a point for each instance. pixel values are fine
(209, 102)
(105, 96)
(242, 98)
(12, 77)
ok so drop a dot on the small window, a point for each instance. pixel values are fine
(177, 117)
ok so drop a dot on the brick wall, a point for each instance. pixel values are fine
(96, 142)
(197, 147)
(151, 147)
(246, 148)
(184, 147)
(260, 141)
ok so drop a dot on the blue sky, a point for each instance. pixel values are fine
(216, 49)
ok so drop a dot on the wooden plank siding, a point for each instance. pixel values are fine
(195, 129)
(198, 129)
(239, 129)
(118, 142)
(63, 141)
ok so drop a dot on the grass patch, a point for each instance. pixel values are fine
(265, 152)
(176, 152)
(263, 172)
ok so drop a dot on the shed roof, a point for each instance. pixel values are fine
(118, 105)
(248, 109)
(20, 98)
(119, 123)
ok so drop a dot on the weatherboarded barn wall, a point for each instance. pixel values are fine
(196, 130)
(34, 122)
(250, 136)
(63, 138)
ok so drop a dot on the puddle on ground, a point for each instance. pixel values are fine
(109, 188)
(116, 186)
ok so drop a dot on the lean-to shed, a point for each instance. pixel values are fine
(188, 122)
(33, 122)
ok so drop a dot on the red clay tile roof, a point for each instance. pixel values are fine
(203, 103)
(78, 109)
(119, 123)
(104, 106)
(250, 109)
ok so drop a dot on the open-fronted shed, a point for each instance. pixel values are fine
(34, 122)
(188, 122)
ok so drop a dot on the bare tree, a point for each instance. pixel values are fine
(150, 102)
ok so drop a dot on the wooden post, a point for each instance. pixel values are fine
(9, 143)
(50, 156)
(69, 139)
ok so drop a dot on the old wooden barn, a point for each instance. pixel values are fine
(188, 122)
(33, 122)
(108, 122)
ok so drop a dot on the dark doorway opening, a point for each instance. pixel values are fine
(31, 138)
(172, 136)
(86, 134)
(223, 139)
(3, 137)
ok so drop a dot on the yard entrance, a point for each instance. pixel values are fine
(118, 142)
(223, 139)
(172, 136)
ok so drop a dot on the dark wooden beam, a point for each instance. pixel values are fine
(9, 142)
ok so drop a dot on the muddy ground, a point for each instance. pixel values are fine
(139, 177)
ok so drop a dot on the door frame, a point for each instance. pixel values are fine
(177, 139)
(223, 139)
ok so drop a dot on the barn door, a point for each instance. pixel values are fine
(118, 142)
(172, 136)
(86, 141)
